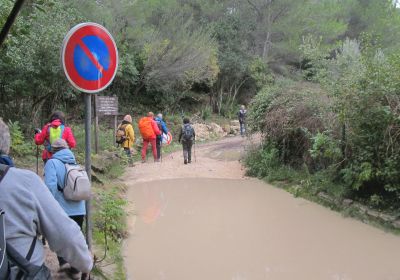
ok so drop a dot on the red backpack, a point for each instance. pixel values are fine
(146, 128)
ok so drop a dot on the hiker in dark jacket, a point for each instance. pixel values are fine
(242, 119)
(30, 210)
(187, 136)
(55, 172)
(164, 130)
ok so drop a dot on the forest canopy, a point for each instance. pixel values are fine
(181, 55)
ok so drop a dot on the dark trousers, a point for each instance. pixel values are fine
(158, 146)
(79, 220)
(187, 150)
(129, 155)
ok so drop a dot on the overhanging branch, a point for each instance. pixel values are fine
(10, 20)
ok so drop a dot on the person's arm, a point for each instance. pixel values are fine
(62, 233)
(155, 128)
(180, 135)
(41, 136)
(164, 127)
(50, 176)
(69, 137)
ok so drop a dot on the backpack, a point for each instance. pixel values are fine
(76, 183)
(120, 135)
(54, 134)
(146, 128)
(187, 132)
(12, 264)
(159, 126)
(242, 115)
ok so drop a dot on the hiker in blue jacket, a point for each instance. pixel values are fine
(54, 172)
(164, 130)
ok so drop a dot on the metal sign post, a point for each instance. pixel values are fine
(90, 62)
(88, 164)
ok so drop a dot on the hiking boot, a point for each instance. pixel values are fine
(74, 273)
(64, 267)
(185, 161)
(189, 161)
(143, 161)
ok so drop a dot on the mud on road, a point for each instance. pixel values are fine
(208, 221)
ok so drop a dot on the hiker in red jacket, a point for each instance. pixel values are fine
(52, 131)
(149, 130)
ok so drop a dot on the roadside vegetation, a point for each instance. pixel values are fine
(320, 78)
(334, 134)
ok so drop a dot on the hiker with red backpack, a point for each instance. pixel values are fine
(125, 137)
(53, 130)
(149, 130)
(56, 172)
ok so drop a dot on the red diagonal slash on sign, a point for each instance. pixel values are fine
(92, 58)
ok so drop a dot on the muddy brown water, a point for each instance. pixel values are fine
(208, 228)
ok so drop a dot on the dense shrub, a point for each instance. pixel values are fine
(288, 114)
(346, 131)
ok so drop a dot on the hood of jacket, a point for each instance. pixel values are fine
(65, 155)
(56, 123)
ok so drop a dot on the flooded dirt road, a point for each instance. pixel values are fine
(194, 222)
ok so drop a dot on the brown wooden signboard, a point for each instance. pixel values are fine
(107, 105)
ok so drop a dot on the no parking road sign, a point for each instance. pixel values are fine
(89, 57)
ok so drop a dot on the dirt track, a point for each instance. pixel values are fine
(211, 160)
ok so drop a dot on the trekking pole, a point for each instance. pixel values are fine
(161, 148)
(37, 159)
(195, 159)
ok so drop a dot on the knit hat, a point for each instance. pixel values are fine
(59, 145)
(128, 118)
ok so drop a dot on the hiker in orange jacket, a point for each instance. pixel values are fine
(149, 130)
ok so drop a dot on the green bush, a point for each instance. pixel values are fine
(346, 133)
(110, 215)
(19, 147)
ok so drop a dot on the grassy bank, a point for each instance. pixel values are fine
(263, 162)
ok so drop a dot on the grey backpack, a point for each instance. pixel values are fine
(76, 184)
(187, 132)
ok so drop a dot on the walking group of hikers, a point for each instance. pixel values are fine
(54, 208)
(152, 130)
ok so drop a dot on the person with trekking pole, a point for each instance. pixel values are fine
(29, 210)
(53, 130)
(159, 139)
(149, 130)
(187, 136)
